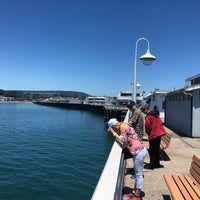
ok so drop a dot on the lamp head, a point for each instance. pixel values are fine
(147, 58)
(138, 86)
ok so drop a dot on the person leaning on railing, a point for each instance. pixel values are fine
(127, 135)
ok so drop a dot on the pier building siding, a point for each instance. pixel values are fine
(183, 108)
(178, 112)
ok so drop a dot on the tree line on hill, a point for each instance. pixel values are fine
(28, 95)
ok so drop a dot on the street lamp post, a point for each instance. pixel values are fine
(147, 60)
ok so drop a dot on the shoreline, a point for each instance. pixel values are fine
(10, 102)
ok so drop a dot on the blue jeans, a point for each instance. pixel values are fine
(138, 160)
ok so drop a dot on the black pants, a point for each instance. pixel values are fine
(154, 152)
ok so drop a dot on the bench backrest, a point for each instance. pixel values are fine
(165, 140)
(195, 168)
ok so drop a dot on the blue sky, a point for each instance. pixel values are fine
(88, 45)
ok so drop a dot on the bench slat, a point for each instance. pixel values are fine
(185, 187)
(189, 187)
(181, 187)
(194, 170)
(196, 159)
(163, 145)
(174, 190)
(165, 141)
(167, 136)
(196, 167)
(190, 180)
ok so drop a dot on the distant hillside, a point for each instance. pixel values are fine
(34, 95)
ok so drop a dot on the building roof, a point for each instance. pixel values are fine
(193, 77)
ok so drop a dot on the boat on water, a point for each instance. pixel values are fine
(96, 100)
(123, 97)
(126, 95)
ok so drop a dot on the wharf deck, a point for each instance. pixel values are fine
(177, 160)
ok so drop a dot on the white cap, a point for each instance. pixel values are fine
(112, 122)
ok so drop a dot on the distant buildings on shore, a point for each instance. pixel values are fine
(5, 99)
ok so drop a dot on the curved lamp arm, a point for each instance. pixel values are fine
(147, 60)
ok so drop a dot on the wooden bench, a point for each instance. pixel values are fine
(164, 143)
(185, 187)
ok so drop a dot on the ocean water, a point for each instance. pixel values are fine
(49, 153)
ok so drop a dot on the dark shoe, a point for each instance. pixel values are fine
(148, 166)
(158, 166)
(133, 176)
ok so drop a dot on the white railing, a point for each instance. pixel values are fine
(107, 184)
(105, 188)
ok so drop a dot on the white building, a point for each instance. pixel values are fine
(157, 98)
(3, 98)
(183, 108)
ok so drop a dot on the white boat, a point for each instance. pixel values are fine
(124, 97)
(96, 100)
